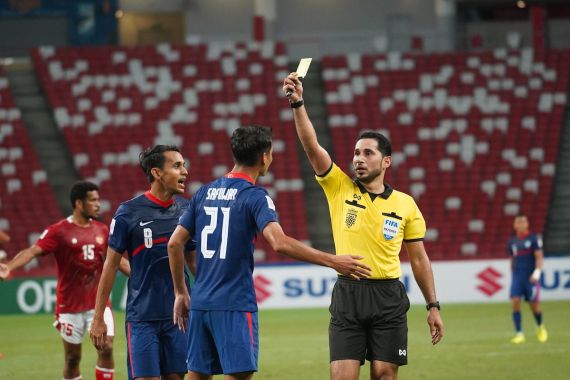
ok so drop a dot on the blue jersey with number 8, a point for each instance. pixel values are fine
(224, 218)
(142, 227)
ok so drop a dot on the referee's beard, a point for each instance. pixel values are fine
(371, 176)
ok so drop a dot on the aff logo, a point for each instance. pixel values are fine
(261, 284)
(490, 281)
(402, 352)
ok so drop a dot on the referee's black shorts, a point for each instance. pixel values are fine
(368, 321)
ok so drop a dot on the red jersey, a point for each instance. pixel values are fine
(80, 254)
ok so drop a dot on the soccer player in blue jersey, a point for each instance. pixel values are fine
(225, 216)
(527, 259)
(142, 226)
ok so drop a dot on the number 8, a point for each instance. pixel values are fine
(147, 232)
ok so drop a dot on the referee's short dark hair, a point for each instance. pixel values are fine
(249, 143)
(384, 145)
(154, 158)
(79, 191)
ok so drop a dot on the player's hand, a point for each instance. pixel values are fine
(351, 265)
(535, 276)
(293, 83)
(181, 311)
(98, 332)
(435, 325)
(4, 271)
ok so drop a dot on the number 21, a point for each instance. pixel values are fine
(212, 212)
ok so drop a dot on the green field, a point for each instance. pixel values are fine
(294, 346)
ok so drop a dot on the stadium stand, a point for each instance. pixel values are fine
(475, 135)
(27, 202)
(110, 102)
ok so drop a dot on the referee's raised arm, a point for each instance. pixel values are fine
(319, 158)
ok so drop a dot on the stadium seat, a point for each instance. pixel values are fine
(27, 202)
(475, 135)
(111, 102)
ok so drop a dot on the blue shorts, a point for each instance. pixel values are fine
(223, 342)
(155, 348)
(522, 287)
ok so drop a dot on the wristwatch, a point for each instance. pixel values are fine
(433, 304)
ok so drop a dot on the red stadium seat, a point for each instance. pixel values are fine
(27, 202)
(475, 136)
(113, 101)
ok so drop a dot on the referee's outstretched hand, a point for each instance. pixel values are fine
(351, 265)
(293, 88)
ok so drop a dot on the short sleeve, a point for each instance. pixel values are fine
(187, 219)
(48, 240)
(263, 209)
(415, 228)
(119, 231)
(332, 181)
(537, 242)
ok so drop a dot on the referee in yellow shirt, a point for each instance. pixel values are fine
(368, 216)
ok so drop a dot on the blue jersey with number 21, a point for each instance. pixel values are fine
(224, 218)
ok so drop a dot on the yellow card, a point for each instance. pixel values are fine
(303, 67)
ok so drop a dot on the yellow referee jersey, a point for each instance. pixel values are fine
(375, 228)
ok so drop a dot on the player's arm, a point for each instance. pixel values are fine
(125, 267)
(190, 258)
(4, 237)
(22, 258)
(538, 265)
(511, 256)
(98, 332)
(348, 265)
(320, 159)
(421, 267)
(176, 246)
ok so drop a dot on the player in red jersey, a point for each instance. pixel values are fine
(79, 244)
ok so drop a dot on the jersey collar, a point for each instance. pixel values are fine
(154, 199)
(240, 175)
(384, 195)
(523, 236)
(70, 221)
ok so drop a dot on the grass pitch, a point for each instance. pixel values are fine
(294, 345)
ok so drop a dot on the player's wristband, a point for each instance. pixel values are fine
(536, 273)
(433, 304)
(296, 104)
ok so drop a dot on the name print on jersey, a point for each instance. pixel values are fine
(221, 194)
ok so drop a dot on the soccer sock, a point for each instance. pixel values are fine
(517, 321)
(104, 373)
(538, 318)
(75, 378)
